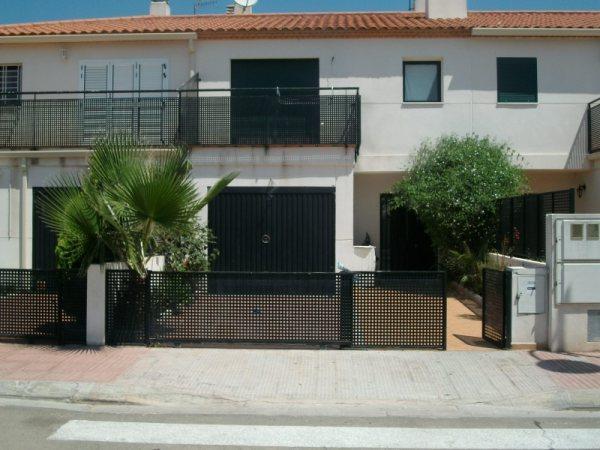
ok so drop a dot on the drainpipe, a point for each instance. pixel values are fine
(23, 215)
(192, 56)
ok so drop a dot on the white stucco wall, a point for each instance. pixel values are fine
(287, 167)
(548, 134)
(44, 69)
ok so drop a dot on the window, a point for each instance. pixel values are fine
(593, 232)
(10, 82)
(517, 80)
(577, 232)
(422, 81)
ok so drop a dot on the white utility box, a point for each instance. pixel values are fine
(577, 261)
(531, 294)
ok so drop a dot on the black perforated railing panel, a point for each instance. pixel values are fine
(69, 120)
(349, 309)
(594, 128)
(47, 304)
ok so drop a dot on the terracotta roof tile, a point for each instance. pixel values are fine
(299, 25)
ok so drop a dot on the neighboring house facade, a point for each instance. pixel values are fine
(325, 113)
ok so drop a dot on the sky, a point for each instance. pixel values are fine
(16, 11)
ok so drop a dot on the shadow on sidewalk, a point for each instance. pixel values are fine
(566, 365)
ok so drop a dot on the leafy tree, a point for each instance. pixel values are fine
(454, 185)
(123, 203)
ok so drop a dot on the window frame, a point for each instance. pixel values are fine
(438, 65)
(5, 97)
(499, 100)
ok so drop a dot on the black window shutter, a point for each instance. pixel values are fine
(517, 80)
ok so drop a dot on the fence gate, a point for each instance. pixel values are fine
(358, 309)
(43, 304)
(496, 307)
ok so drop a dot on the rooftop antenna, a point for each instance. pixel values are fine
(199, 5)
(245, 4)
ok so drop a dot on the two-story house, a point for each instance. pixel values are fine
(319, 112)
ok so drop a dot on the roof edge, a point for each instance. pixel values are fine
(97, 37)
(536, 32)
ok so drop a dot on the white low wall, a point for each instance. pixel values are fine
(513, 261)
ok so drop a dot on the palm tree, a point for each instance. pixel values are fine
(123, 203)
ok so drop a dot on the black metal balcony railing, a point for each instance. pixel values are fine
(594, 126)
(193, 117)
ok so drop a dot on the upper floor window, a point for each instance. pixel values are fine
(422, 81)
(10, 82)
(517, 80)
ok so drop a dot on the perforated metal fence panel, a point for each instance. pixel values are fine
(403, 310)
(43, 304)
(496, 307)
(126, 308)
(399, 309)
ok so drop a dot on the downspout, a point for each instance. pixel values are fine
(23, 214)
(192, 56)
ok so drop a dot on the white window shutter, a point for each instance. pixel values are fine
(95, 76)
(123, 76)
(153, 75)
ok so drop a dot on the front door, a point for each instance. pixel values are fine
(404, 243)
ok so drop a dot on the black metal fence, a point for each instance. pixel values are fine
(594, 126)
(43, 304)
(192, 117)
(496, 309)
(522, 227)
(403, 310)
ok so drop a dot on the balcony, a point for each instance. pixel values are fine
(240, 117)
(594, 126)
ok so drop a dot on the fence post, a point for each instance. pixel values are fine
(96, 306)
(445, 327)
(347, 307)
(507, 288)
(59, 322)
(147, 312)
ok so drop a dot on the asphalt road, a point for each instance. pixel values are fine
(38, 425)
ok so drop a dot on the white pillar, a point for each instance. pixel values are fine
(96, 305)
(23, 215)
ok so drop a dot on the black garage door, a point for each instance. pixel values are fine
(274, 229)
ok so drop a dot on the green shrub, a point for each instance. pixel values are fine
(454, 185)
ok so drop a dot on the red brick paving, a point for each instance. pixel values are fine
(39, 363)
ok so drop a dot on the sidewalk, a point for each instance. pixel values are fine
(318, 381)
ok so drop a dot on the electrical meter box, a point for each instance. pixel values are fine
(530, 290)
(577, 248)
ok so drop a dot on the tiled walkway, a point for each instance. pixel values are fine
(464, 326)
(158, 375)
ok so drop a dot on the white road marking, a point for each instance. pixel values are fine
(326, 437)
